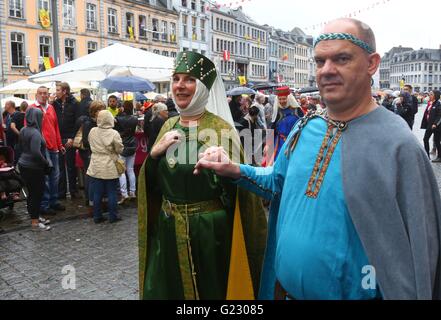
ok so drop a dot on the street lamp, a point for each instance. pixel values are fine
(40, 64)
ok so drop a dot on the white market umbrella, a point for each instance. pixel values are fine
(28, 87)
(114, 60)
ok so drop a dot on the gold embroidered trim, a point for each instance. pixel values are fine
(323, 161)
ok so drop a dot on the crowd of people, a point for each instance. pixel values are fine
(57, 130)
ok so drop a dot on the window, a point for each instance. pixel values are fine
(91, 20)
(112, 20)
(91, 46)
(164, 35)
(184, 3)
(172, 32)
(155, 24)
(156, 51)
(16, 8)
(184, 26)
(45, 5)
(194, 34)
(69, 50)
(69, 13)
(203, 38)
(203, 6)
(17, 49)
(45, 46)
(173, 54)
(165, 53)
(142, 27)
(193, 4)
(130, 19)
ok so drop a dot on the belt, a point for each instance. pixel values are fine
(172, 209)
(280, 293)
(181, 213)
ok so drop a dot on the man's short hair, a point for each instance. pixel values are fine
(112, 97)
(64, 86)
(408, 86)
(43, 87)
(85, 92)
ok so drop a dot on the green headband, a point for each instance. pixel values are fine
(344, 36)
(196, 65)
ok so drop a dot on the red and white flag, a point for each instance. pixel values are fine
(227, 55)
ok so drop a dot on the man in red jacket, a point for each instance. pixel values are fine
(51, 134)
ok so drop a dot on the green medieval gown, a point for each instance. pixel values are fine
(214, 252)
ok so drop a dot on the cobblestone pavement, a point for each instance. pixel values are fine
(104, 256)
(105, 259)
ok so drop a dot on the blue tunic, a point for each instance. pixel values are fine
(288, 118)
(318, 252)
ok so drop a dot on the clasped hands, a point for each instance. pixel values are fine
(214, 158)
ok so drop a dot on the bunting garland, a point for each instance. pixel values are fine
(352, 14)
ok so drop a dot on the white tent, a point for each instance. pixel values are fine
(27, 87)
(114, 60)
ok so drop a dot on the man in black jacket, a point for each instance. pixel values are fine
(85, 102)
(68, 111)
(414, 110)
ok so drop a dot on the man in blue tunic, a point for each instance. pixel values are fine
(355, 212)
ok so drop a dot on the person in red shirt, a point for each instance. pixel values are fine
(51, 134)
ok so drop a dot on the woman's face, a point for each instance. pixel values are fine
(183, 88)
(432, 96)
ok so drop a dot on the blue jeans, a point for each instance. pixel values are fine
(100, 187)
(50, 195)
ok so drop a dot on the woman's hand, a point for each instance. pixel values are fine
(169, 139)
(215, 158)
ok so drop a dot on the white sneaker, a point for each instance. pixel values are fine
(44, 221)
(132, 195)
(40, 227)
(123, 199)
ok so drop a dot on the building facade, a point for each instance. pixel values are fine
(194, 24)
(419, 68)
(84, 27)
(290, 58)
(239, 47)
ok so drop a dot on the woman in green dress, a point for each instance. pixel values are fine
(199, 236)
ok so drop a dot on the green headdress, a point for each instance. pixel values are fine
(196, 65)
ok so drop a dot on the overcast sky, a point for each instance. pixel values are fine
(409, 23)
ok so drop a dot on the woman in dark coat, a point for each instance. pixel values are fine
(126, 124)
(432, 123)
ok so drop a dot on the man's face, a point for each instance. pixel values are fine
(407, 89)
(283, 100)
(42, 96)
(113, 103)
(303, 100)
(8, 107)
(344, 70)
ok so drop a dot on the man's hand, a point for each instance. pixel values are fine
(69, 143)
(215, 158)
(169, 139)
(434, 127)
(62, 150)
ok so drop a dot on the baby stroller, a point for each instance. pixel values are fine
(11, 183)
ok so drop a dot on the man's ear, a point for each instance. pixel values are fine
(374, 63)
